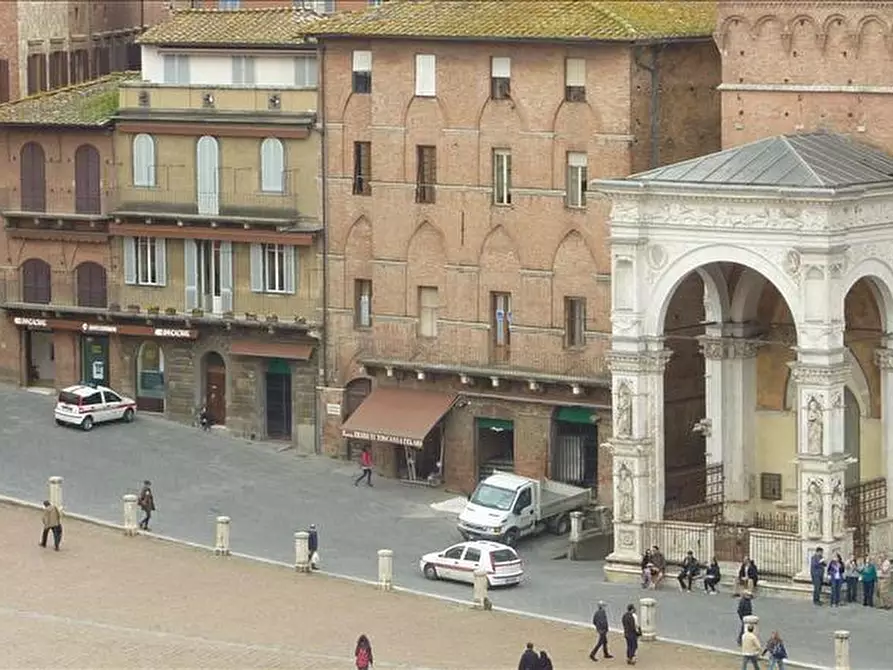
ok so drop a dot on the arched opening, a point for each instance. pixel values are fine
(573, 457)
(87, 187)
(150, 381)
(215, 387)
(92, 286)
(32, 178)
(36, 281)
(356, 391)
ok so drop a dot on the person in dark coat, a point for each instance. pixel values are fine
(313, 546)
(146, 501)
(745, 608)
(600, 621)
(529, 659)
(545, 661)
(712, 577)
(631, 633)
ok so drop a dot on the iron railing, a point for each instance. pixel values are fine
(775, 553)
(676, 538)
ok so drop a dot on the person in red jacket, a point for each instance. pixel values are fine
(366, 464)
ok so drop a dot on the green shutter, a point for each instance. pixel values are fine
(494, 424)
(576, 415)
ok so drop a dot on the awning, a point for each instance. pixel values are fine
(297, 352)
(401, 416)
(584, 415)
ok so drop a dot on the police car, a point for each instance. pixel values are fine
(85, 405)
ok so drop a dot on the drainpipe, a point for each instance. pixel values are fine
(654, 69)
(324, 212)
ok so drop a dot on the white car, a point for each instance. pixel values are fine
(84, 405)
(458, 563)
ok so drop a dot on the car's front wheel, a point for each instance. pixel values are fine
(430, 571)
(128, 415)
(87, 423)
(59, 423)
(511, 537)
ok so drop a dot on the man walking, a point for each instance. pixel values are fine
(745, 608)
(751, 649)
(600, 621)
(313, 546)
(146, 502)
(366, 465)
(52, 522)
(631, 632)
(817, 573)
(530, 660)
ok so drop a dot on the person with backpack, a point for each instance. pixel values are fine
(775, 651)
(363, 653)
(146, 501)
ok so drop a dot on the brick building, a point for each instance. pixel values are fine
(468, 276)
(58, 187)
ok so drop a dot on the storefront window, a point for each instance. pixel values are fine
(150, 371)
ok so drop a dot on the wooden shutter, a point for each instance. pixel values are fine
(288, 254)
(272, 165)
(87, 180)
(226, 276)
(190, 273)
(207, 169)
(36, 282)
(160, 262)
(91, 285)
(257, 268)
(425, 74)
(4, 80)
(130, 260)
(32, 179)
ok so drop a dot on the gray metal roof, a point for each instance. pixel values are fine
(810, 160)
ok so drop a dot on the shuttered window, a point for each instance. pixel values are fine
(306, 72)
(576, 179)
(87, 176)
(176, 69)
(243, 70)
(207, 170)
(361, 79)
(32, 178)
(426, 75)
(273, 268)
(272, 166)
(145, 261)
(144, 161)
(575, 80)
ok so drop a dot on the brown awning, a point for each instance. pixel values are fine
(207, 233)
(297, 352)
(401, 416)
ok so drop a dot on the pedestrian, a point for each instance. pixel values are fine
(884, 579)
(660, 566)
(631, 633)
(745, 608)
(52, 522)
(712, 576)
(690, 569)
(313, 546)
(851, 577)
(868, 574)
(750, 648)
(835, 577)
(647, 570)
(776, 651)
(545, 661)
(363, 653)
(529, 659)
(366, 465)
(817, 574)
(204, 419)
(146, 501)
(600, 621)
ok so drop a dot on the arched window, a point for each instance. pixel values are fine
(36, 281)
(91, 284)
(207, 169)
(32, 178)
(272, 166)
(144, 160)
(150, 376)
(87, 180)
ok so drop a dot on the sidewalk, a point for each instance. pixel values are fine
(108, 601)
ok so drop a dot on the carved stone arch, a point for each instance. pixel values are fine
(415, 101)
(736, 21)
(716, 294)
(360, 229)
(426, 261)
(879, 277)
(516, 106)
(856, 382)
(746, 297)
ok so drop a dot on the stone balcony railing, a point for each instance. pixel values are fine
(146, 98)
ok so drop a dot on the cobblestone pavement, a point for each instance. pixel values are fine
(268, 495)
(108, 601)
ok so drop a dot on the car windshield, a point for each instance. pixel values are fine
(486, 495)
(504, 556)
(69, 398)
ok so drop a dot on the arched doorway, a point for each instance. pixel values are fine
(92, 289)
(150, 380)
(215, 388)
(355, 393)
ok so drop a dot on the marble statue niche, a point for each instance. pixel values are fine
(625, 493)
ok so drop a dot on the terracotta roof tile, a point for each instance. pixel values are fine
(239, 27)
(622, 20)
(91, 103)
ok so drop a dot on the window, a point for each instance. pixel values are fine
(525, 500)
(473, 555)
(428, 304)
(318, 6)
(454, 552)
(111, 397)
(576, 180)
(362, 72)
(207, 173)
(227, 4)
(144, 161)
(79, 66)
(243, 70)
(500, 324)
(575, 80)
(362, 168)
(145, 261)
(4, 80)
(272, 166)
(502, 177)
(500, 78)
(770, 486)
(176, 69)
(37, 73)
(32, 178)
(306, 72)
(93, 399)
(362, 303)
(425, 75)
(426, 174)
(87, 180)
(58, 69)
(272, 268)
(574, 322)
(37, 282)
(92, 285)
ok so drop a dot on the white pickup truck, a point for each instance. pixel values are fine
(505, 507)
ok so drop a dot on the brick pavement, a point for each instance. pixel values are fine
(108, 601)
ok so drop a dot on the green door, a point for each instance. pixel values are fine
(95, 359)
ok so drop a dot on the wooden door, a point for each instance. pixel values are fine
(32, 178)
(86, 180)
(215, 389)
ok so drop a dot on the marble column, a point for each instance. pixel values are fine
(638, 443)
(884, 360)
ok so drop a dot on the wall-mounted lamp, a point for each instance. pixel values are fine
(464, 380)
(495, 382)
(389, 371)
(420, 375)
(576, 389)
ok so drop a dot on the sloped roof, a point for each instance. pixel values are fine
(275, 26)
(578, 20)
(90, 104)
(810, 160)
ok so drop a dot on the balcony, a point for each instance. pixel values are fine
(142, 99)
(35, 286)
(56, 214)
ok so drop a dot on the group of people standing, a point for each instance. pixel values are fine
(873, 573)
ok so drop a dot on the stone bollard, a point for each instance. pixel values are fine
(55, 492)
(302, 551)
(385, 569)
(752, 620)
(576, 526)
(648, 618)
(130, 515)
(221, 545)
(481, 585)
(841, 650)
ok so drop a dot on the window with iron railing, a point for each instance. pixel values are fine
(426, 174)
(362, 168)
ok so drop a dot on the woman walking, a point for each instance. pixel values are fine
(363, 653)
(776, 651)
(851, 577)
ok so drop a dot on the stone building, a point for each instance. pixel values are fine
(217, 221)
(58, 187)
(468, 277)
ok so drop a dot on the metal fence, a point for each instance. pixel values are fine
(676, 538)
(776, 553)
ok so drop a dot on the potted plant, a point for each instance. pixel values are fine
(300, 319)
(133, 308)
(251, 316)
(198, 312)
(170, 311)
(153, 309)
(228, 314)
(272, 318)
(114, 307)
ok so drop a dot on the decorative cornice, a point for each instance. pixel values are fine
(820, 375)
(884, 358)
(721, 348)
(638, 362)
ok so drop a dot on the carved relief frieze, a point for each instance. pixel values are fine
(884, 358)
(628, 362)
(623, 411)
(819, 375)
(625, 495)
(815, 512)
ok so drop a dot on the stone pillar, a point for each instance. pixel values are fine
(130, 514)
(637, 444)
(752, 620)
(385, 569)
(841, 650)
(648, 615)
(302, 551)
(54, 485)
(221, 544)
(576, 526)
(481, 585)
(884, 360)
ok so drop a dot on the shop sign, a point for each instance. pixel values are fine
(333, 409)
(382, 437)
(98, 328)
(33, 323)
(174, 332)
